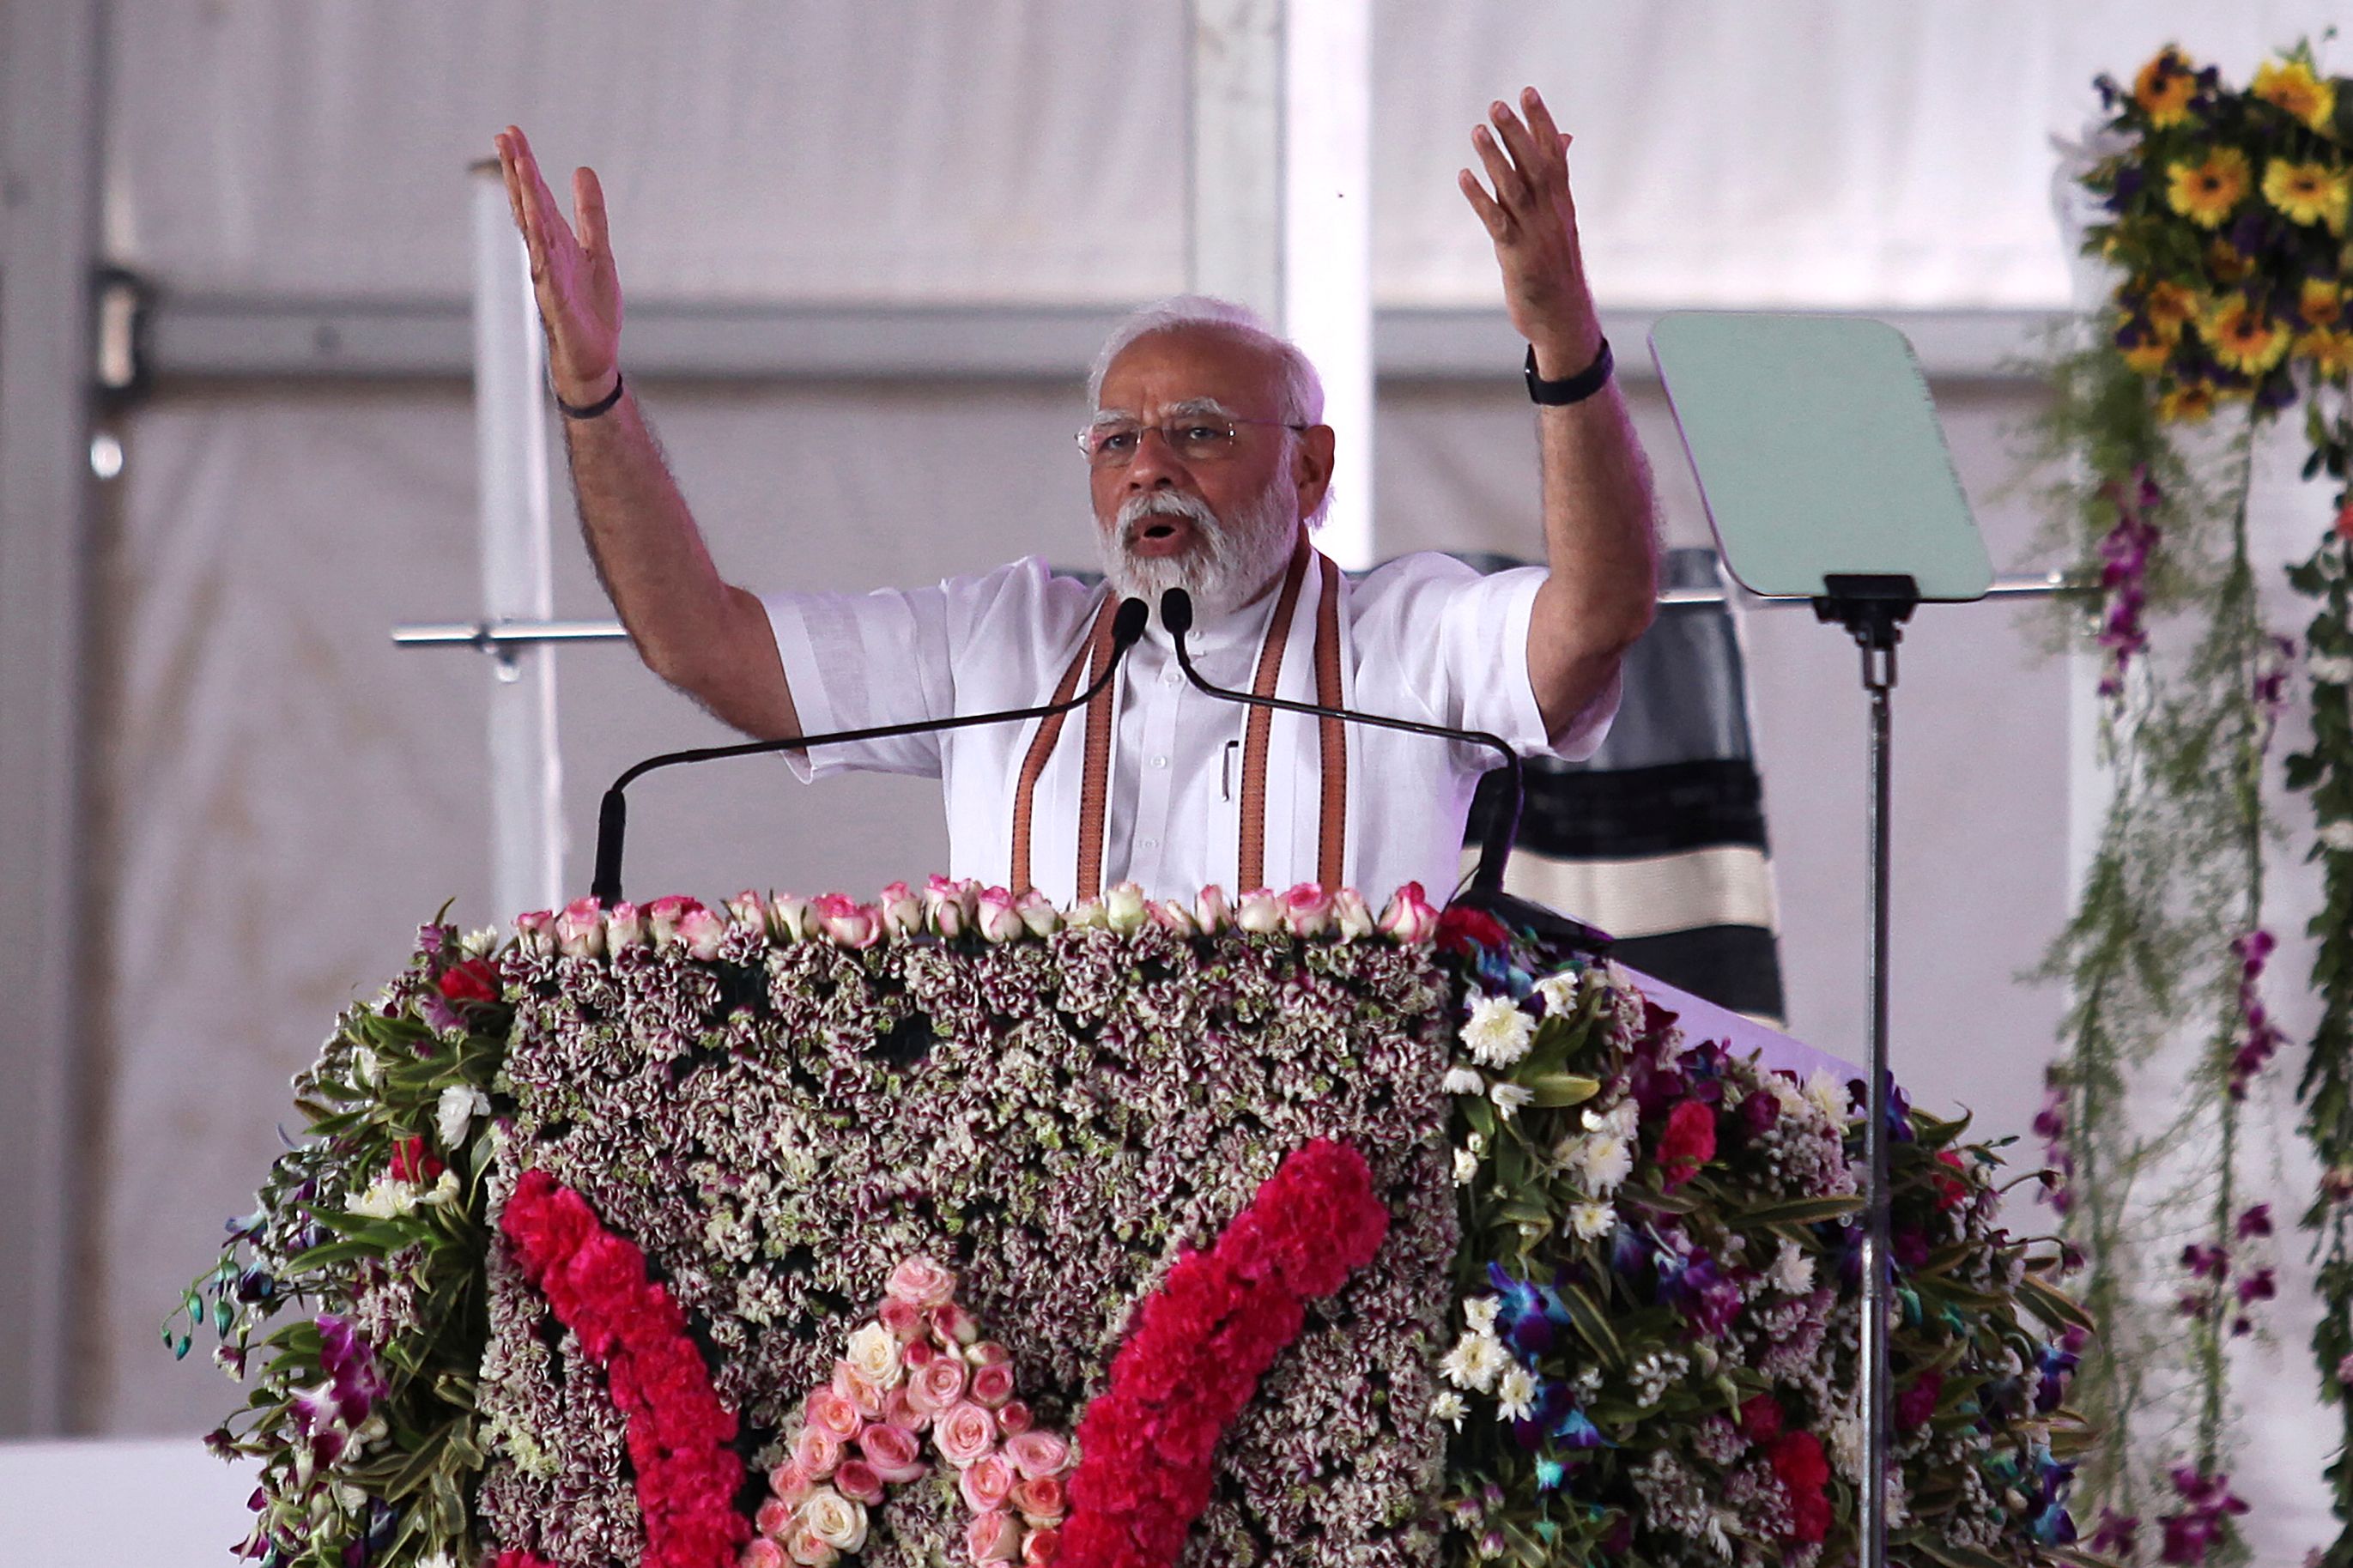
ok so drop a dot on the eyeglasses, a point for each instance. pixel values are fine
(1196, 440)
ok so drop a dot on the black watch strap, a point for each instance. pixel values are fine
(605, 404)
(1570, 389)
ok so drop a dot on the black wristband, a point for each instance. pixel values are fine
(1570, 389)
(603, 405)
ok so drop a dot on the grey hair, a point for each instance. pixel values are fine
(1301, 389)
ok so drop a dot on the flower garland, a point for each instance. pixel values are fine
(2224, 213)
(680, 1434)
(917, 1366)
(1198, 1348)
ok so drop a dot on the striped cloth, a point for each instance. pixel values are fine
(1659, 838)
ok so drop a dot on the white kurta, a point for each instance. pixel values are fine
(1423, 638)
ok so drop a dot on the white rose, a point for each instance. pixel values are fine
(874, 1356)
(1497, 1032)
(834, 1520)
(1124, 907)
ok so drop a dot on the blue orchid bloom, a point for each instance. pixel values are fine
(1576, 1430)
(1550, 1473)
(1529, 1315)
(2054, 1526)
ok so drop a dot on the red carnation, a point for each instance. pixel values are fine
(1951, 1191)
(1799, 1466)
(473, 981)
(1760, 1419)
(411, 1163)
(1918, 1403)
(1688, 1143)
(1459, 927)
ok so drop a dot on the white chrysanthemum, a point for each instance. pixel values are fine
(1476, 1361)
(1509, 1097)
(1601, 1161)
(1793, 1273)
(1516, 1394)
(388, 1198)
(1461, 1080)
(1590, 1221)
(1497, 1032)
(1449, 1407)
(1479, 1311)
(1620, 1121)
(1466, 1167)
(481, 942)
(1828, 1095)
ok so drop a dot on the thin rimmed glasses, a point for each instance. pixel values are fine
(1196, 440)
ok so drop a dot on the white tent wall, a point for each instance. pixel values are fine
(281, 795)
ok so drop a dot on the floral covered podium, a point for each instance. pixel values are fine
(954, 1227)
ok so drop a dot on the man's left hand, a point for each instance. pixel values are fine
(1532, 219)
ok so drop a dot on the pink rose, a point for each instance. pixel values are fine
(788, 917)
(937, 1384)
(761, 1552)
(624, 926)
(1014, 1417)
(986, 1483)
(664, 913)
(580, 930)
(1409, 920)
(1175, 919)
(998, 915)
(1124, 908)
(989, 1352)
(1351, 915)
(816, 1452)
(702, 931)
(892, 1451)
(1039, 913)
(775, 1518)
(921, 1351)
(899, 1411)
(1307, 910)
(902, 912)
(1261, 910)
(857, 1481)
(904, 1318)
(846, 920)
(791, 1483)
(1041, 1547)
(746, 910)
(921, 1282)
(992, 1386)
(1035, 1454)
(953, 1324)
(806, 1550)
(869, 1397)
(993, 1538)
(963, 1432)
(1040, 1500)
(950, 906)
(828, 1408)
(1209, 910)
(532, 932)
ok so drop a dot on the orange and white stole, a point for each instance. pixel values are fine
(1328, 755)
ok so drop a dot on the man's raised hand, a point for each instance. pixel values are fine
(572, 272)
(1532, 219)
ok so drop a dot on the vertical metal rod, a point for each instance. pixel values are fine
(1879, 680)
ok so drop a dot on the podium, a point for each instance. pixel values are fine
(949, 1226)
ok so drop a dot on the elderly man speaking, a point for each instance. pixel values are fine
(1208, 463)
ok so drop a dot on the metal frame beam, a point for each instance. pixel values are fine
(49, 118)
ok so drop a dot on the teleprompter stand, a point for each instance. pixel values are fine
(1825, 477)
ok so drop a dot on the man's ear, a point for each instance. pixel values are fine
(1310, 466)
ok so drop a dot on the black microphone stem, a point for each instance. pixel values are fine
(612, 815)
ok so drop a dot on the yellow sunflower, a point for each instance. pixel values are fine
(2330, 352)
(2164, 87)
(2226, 264)
(2244, 337)
(2170, 308)
(2292, 85)
(2205, 192)
(2323, 304)
(2149, 356)
(2308, 193)
(2186, 404)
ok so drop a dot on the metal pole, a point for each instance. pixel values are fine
(1879, 680)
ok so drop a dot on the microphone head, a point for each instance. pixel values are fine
(1177, 612)
(1127, 621)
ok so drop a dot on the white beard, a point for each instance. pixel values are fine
(1230, 563)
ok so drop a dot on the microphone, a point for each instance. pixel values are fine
(612, 817)
(1486, 889)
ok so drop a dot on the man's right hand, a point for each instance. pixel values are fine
(573, 274)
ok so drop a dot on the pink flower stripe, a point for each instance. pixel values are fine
(1148, 1443)
(679, 1435)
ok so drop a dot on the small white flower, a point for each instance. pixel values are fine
(1516, 1394)
(1479, 1311)
(1559, 993)
(1828, 1095)
(1601, 1161)
(478, 944)
(444, 1189)
(2337, 835)
(1590, 1221)
(363, 1067)
(1476, 1361)
(1620, 1121)
(386, 1199)
(1449, 1406)
(1461, 1080)
(460, 1104)
(1509, 1097)
(2335, 668)
(1466, 1167)
(1793, 1273)
(1497, 1032)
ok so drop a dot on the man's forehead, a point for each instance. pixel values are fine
(1171, 369)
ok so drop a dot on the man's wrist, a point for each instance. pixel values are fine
(592, 406)
(1560, 355)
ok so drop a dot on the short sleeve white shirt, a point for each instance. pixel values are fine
(1422, 638)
